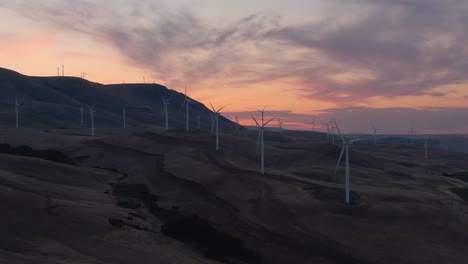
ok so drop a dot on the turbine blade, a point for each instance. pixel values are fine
(266, 123)
(219, 110)
(255, 120)
(212, 107)
(339, 131)
(182, 105)
(339, 159)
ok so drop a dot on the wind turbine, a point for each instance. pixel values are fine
(91, 112)
(166, 110)
(425, 146)
(237, 123)
(186, 103)
(375, 130)
(260, 139)
(345, 147)
(81, 112)
(17, 112)
(412, 132)
(124, 115)
(216, 120)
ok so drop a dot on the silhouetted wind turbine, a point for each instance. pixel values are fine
(345, 147)
(166, 110)
(186, 103)
(260, 139)
(91, 112)
(216, 114)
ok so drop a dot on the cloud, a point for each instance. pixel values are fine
(393, 48)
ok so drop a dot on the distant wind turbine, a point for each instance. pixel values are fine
(237, 123)
(345, 147)
(216, 117)
(166, 110)
(81, 113)
(328, 129)
(17, 105)
(412, 132)
(91, 112)
(186, 103)
(375, 130)
(124, 116)
(425, 146)
(260, 139)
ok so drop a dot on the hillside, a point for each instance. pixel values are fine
(133, 197)
(54, 102)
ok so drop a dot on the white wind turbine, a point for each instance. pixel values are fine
(260, 139)
(375, 130)
(91, 112)
(345, 147)
(216, 120)
(17, 105)
(412, 132)
(124, 116)
(166, 110)
(186, 103)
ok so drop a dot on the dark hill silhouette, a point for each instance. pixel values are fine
(55, 102)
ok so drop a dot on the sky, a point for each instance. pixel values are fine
(396, 64)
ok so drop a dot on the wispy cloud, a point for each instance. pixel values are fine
(391, 49)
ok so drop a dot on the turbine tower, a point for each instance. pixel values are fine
(345, 148)
(186, 103)
(17, 105)
(216, 120)
(375, 130)
(124, 115)
(237, 123)
(412, 132)
(260, 139)
(81, 112)
(166, 111)
(91, 112)
(425, 146)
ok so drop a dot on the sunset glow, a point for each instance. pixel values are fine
(358, 62)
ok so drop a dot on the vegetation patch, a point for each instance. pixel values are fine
(192, 230)
(27, 151)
